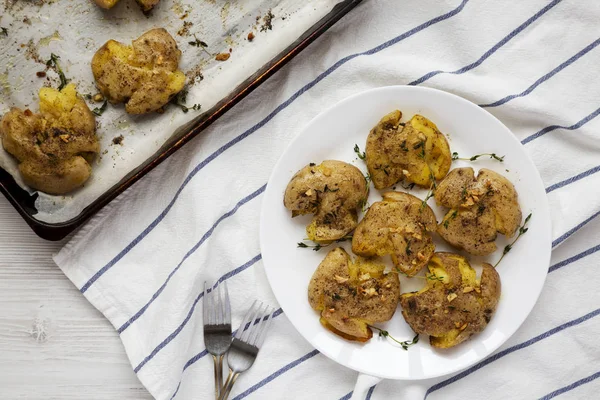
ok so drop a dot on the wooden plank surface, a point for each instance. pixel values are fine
(53, 343)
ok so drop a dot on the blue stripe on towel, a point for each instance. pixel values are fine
(491, 51)
(189, 253)
(544, 78)
(262, 123)
(571, 386)
(575, 229)
(573, 179)
(568, 128)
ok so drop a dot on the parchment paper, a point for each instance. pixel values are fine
(75, 29)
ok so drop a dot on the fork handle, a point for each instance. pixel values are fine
(218, 375)
(228, 385)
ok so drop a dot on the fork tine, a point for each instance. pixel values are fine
(253, 324)
(227, 305)
(264, 329)
(219, 304)
(205, 307)
(245, 321)
(262, 312)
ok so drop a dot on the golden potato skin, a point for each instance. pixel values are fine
(55, 147)
(479, 209)
(352, 295)
(416, 151)
(144, 76)
(333, 191)
(454, 305)
(145, 5)
(399, 225)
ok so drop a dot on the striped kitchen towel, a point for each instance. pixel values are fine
(143, 259)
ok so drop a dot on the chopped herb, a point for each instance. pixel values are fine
(268, 22)
(465, 310)
(480, 209)
(3, 31)
(434, 277)
(408, 250)
(319, 246)
(403, 146)
(464, 193)
(312, 164)
(522, 230)
(201, 45)
(100, 110)
(180, 101)
(336, 296)
(405, 345)
(455, 156)
(450, 218)
(361, 155)
(53, 63)
(328, 189)
(418, 145)
(368, 178)
(410, 186)
(452, 307)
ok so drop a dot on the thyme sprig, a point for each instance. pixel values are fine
(493, 156)
(100, 110)
(54, 64)
(362, 155)
(180, 101)
(522, 231)
(319, 246)
(405, 344)
(201, 45)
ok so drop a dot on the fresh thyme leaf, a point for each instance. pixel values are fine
(53, 63)
(450, 218)
(480, 209)
(317, 247)
(302, 245)
(312, 164)
(336, 296)
(434, 277)
(522, 230)
(100, 110)
(361, 155)
(3, 31)
(494, 156)
(408, 249)
(201, 45)
(181, 99)
(368, 178)
(418, 145)
(403, 146)
(405, 344)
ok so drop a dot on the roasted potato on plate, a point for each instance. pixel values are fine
(454, 305)
(144, 76)
(399, 225)
(333, 191)
(55, 147)
(351, 295)
(480, 208)
(416, 151)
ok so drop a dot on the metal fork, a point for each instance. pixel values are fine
(216, 313)
(246, 343)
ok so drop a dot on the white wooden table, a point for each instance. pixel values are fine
(53, 343)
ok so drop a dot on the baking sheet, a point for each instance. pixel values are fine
(75, 29)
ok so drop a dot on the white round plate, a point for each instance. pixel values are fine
(470, 130)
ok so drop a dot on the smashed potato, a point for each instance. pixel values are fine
(479, 209)
(416, 152)
(144, 76)
(333, 191)
(454, 305)
(399, 225)
(55, 147)
(352, 295)
(146, 5)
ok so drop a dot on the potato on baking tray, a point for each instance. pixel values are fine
(144, 76)
(55, 147)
